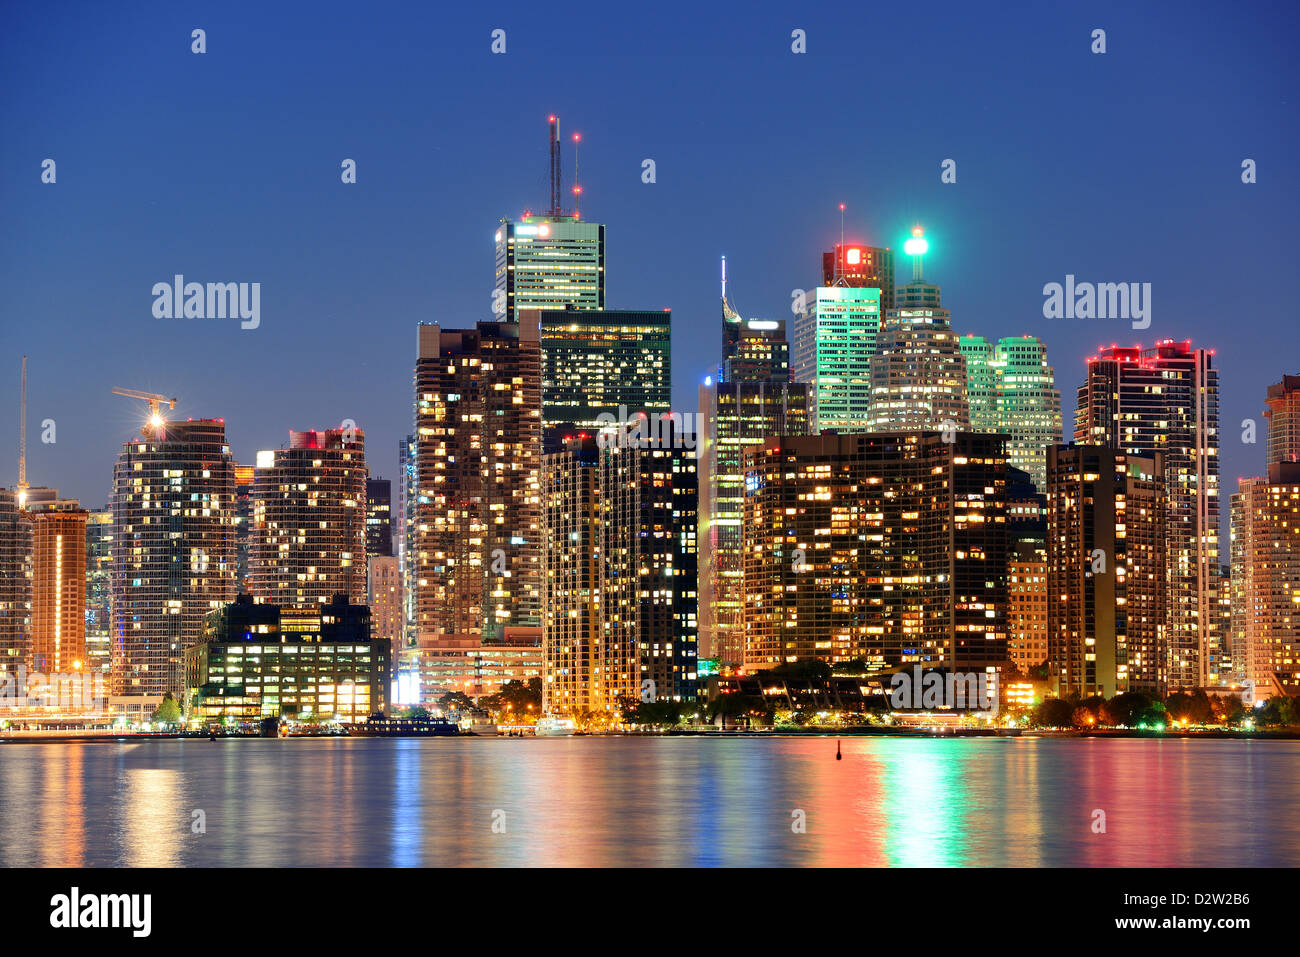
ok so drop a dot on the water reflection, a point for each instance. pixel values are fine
(650, 802)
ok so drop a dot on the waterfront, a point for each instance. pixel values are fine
(650, 802)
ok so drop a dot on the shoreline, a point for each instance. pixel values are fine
(1279, 734)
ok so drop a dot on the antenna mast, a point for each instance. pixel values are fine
(555, 166)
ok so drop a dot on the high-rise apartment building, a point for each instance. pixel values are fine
(174, 551)
(379, 517)
(621, 593)
(1283, 416)
(99, 574)
(573, 577)
(1166, 399)
(15, 584)
(890, 548)
(1105, 571)
(1027, 606)
(548, 262)
(244, 526)
(309, 520)
(384, 591)
(596, 362)
(59, 588)
(476, 535)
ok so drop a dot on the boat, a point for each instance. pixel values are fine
(484, 727)
(403, 728)
(556, 727)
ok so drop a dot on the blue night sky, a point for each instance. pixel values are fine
(1123, 167)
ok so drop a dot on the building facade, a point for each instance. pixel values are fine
(316, 663)
(548, 262)
(1166, 399)
(174, 550)
(379, 517)
(59, 588)
(1106, 570)
(890, 548)
(308, 538)
(835, 338)
(15, 584)
(476, 534)
(917, 372)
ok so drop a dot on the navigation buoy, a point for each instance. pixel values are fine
(838, 756)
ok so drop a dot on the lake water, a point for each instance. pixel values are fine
(650, 801)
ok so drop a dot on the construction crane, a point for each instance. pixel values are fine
(22, 440)
(154, 400)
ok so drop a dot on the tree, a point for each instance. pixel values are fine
(1053, 713)
(1126, 710)
(802, 668)
(415, 713)
(654, 713)
(168, 711)
(1195, 708)
(516, 698)
(737, 705)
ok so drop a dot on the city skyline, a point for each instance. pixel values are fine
(349, 293)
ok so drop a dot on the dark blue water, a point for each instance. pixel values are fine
(650, 801)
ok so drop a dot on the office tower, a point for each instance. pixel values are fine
(1283, 415)
(1028, 403)
(99, 572)
(384, 598)
(835, 338)
(918, 372)
(1265, 547)
(1012, 390)
(309, 519)
(1105, 570)
(548, 262)
(15, 584)
(649, 495)
(621, 576)
(1166, 399)
(981, 385)
(890, 548)
(752, 399)
(478, 419)
(861, 267)
(596, 362)
(313, 663)
(244, 526)
(174, 552)
(572, 623)
(58, 587)
(379, 517)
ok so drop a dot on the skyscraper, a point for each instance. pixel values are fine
(649, 495)
(244, 526)
(174, 554)
(621, 597)
(890, 547)
(309, 520)
(861, 267)
(596, 362)
(918, 372)
(476, 535)
(15, 584)
(379, 517)
(573, 577)
(835, 338)
(99, 574)
(1166, 399)
(59, 588)
(548, 262)
(1012, 390)
(752, 399)
(1105, 571)
(1283, 415)
(384, 591)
